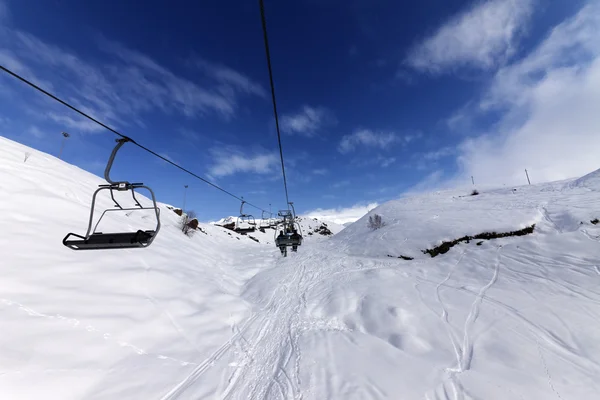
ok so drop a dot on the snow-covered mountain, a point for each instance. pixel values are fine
(219, 315)
(312, 228)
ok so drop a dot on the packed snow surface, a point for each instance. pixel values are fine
(220, 316)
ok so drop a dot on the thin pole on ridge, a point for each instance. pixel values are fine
(268, 54)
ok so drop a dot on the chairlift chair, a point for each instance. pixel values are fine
(245, 222)
(290, 234)
(94, 240)
(266, 222)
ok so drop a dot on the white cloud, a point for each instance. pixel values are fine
(125, 86)
(548, 100)
(366, 138)
(439, 154)
(168, 157)
(230, 79)
(342, 215)
(307, 122)
(386, 161)
(340, 184)
(481, 37)
(230, 160)
(78, 123)
(433, 181)
(321, 171)
(36, 132)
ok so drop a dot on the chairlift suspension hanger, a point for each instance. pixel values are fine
(94, 240)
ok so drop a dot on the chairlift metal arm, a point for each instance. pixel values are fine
(291, 203)
(111, 159)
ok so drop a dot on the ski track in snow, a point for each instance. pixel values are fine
(91, 329)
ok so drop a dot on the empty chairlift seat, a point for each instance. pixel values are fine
(94, 240)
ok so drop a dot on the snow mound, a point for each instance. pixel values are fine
(416, 223)
(590, 181)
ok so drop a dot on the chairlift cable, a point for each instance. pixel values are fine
(33, 85)
(268, 54)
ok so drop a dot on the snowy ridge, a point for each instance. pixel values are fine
(221, 316)
(312, 228)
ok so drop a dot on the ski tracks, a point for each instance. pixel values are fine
(467, 348)
(464, 351)
(266, 372)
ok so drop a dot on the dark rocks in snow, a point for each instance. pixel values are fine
(446, 246)
(402, 257)
(479, 243)
(323, 230)
(178, 211)
(253, 238)
(595, 221)
(193, 223)
(474, 193)
(230, 226)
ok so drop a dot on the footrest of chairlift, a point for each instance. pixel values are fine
(100, 241)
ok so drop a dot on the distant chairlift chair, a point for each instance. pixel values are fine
(290, 232)
(119, 240)
(266, 223)
(245, 222)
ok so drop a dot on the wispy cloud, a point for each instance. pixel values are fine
(308, 121)
(481, 37)
(230, 160)
(366, 138)
(340, 184)
(439, 153)
(320, 171)
(342, 215)
(547, 102)
(189, 134)
(125, 86)
(78, 123)
(433, 181)
(386, 161)
(229, 79)
(168, 156)
(36, 132)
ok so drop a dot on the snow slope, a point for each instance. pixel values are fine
(220, 316)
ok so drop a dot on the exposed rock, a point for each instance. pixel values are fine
(193, 223)
(446, 246)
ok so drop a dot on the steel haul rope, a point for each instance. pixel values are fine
(268, 54)
(33, 85)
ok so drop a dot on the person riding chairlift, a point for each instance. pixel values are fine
(296, 237)
(281, 236)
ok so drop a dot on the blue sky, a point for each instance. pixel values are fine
(376, 97)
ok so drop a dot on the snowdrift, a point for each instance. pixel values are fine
(221, 316)
(413, 224)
